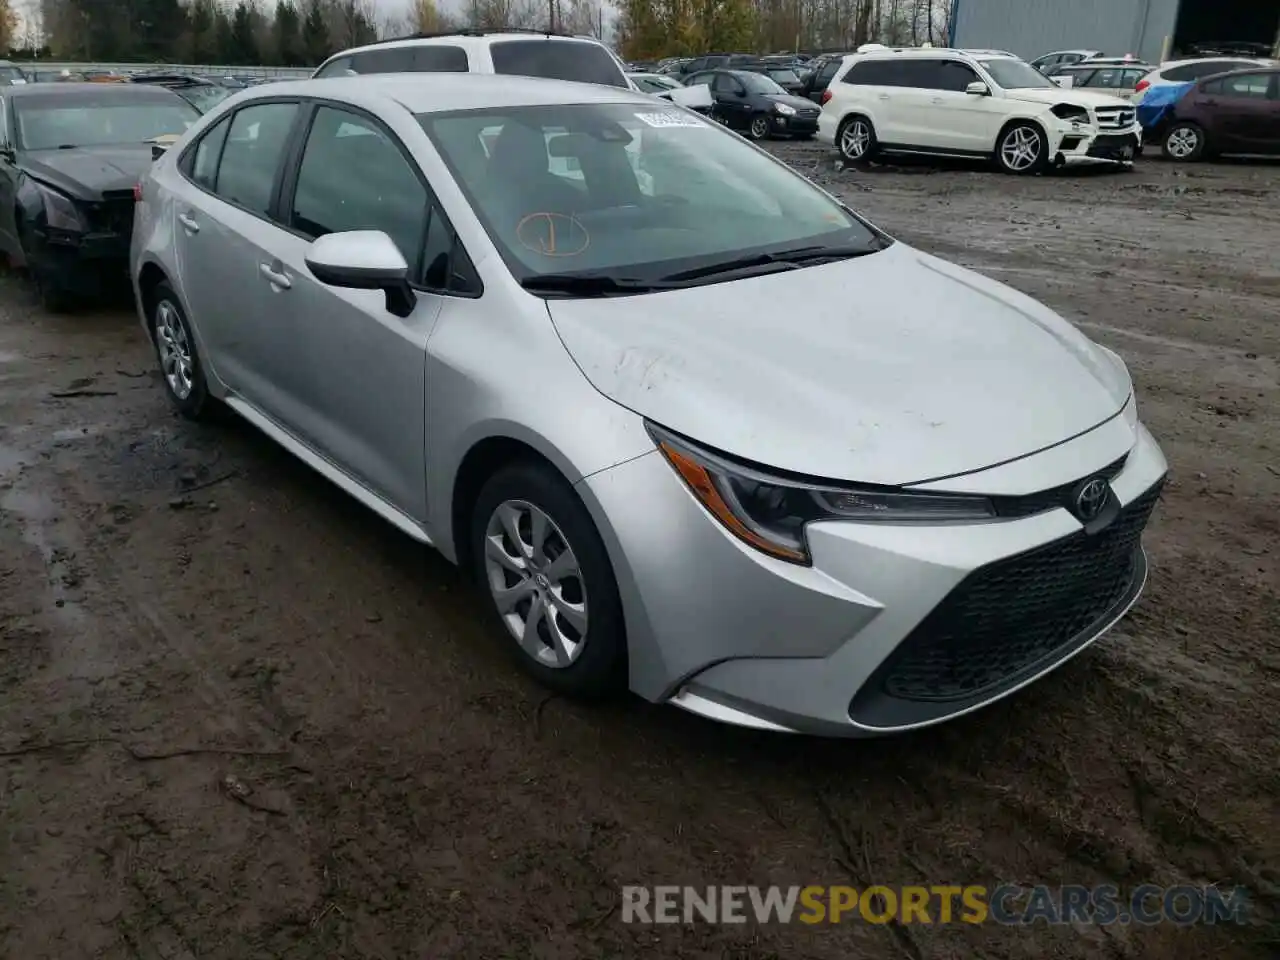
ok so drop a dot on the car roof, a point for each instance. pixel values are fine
(1170, 64)
(931, 53)
(444, 92)
(466, 39)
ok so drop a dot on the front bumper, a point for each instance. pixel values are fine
(893, 627)
(794, 126)
(1086, 142)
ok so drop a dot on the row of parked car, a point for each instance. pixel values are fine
(532, 332)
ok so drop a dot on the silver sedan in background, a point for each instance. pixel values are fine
(699, 429)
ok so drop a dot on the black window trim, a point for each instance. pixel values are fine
(288, 185)
(187, 160)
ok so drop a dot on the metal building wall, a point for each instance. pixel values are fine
(1030, 28)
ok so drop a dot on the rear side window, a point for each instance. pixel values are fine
(1194, 71)
(251, 155)
(1252, 86)
(204, 163)
(423, 58)
(557, 60)
(335, 68)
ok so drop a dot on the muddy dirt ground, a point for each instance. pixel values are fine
(183, 604)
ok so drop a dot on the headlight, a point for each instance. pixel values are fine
(785, 110)
(60, 211)
(1071, 112)
(770, 513)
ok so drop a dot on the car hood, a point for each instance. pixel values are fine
(1067, 95)
(893, 368)
(800, 103)
(89, 172)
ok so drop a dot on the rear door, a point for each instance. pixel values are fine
(822, 78)
(223, 231)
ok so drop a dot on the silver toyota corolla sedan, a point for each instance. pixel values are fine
(699, 429)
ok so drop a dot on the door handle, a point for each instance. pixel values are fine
(188, 223)
(935, 100)
(277, 278)
(1210, 103)
(884, 96)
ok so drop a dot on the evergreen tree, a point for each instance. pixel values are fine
(287, 29)
(316, 45)
(244, 44)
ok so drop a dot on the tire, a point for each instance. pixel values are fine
(586, 594)
(856, 139)
(180, 368)
(1184, 142)
(1022, 149)
(55, 297)
(758, 128)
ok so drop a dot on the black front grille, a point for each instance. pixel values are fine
(1060, 496)
(1008, 618)
(114, 214)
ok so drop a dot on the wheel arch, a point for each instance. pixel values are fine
(1024, 116)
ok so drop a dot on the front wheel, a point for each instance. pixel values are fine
(1184, 142)
(1022, 150)
(856, 140)
(550, 583)
(759, 129)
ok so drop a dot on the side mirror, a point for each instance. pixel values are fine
(978, 89)
(363, 260)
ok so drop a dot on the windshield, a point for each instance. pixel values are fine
(60, 121)
(204, 97)
(759, 83)
(629, 190)
(1015, 75)
(784, 75)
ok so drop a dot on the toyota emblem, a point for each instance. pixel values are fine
(1091, 498)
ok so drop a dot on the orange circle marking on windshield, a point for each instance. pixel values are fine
(553, 234)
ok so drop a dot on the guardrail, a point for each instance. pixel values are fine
(43, 69)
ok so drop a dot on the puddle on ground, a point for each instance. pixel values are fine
(77, 433)
(10, 460)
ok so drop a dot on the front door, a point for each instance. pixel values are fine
(958, 121)
(362, 397)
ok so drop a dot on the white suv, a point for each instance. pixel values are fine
(514, 52)
(952, 103)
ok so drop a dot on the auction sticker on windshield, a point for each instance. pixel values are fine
(669, 119)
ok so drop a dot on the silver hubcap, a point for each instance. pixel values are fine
(175, 350)
(536, 582)
(855, 140)
(1021, 149)
(1183, 142)
(759, 127)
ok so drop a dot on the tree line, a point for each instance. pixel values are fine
(288, 33)
(660, 28)
(302, 33)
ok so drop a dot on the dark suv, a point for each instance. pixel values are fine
(1236, 112)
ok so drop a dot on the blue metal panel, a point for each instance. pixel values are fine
(1031, 28)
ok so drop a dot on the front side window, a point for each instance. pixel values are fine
(628, 189)
(954, 76)
(783, 76)
(557, 60)
(251, 155)
(86, 120)
(354, 177)
(759, 83)
(1015, 75)
(726, 83)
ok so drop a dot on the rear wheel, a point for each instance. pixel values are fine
(176, 352)
(1184, 142)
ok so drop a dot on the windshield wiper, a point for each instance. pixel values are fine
(592, 284)
(779, 260)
